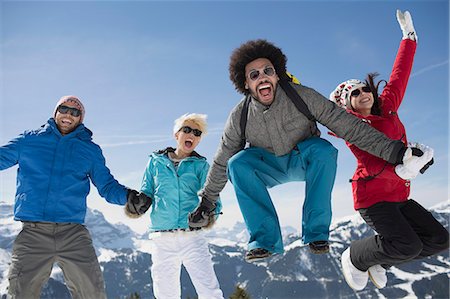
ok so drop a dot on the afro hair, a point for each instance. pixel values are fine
(250, 51)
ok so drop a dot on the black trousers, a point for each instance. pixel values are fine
(406, 231)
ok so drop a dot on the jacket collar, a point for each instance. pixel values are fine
(80, 131)
(169, 149)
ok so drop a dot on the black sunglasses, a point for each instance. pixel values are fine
(269, 71)
(357, 92)
(73, 111)
(187, 130)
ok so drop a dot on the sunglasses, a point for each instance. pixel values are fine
(187, 130)
(73, 111)
(254, 74)
(357, 92)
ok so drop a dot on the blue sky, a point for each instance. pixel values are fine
(138, 65)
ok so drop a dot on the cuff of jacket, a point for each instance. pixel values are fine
(203, 194)
(398, 153)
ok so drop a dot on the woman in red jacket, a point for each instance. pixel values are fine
(405, 229)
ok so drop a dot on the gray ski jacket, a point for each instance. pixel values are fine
(281, 126)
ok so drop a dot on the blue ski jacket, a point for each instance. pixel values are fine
(54, 173)
(174, 191)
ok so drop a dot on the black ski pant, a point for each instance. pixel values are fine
(406, 231)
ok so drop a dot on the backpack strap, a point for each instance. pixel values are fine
(296, 99)
(244, 116)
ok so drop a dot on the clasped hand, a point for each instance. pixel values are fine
(137, 203)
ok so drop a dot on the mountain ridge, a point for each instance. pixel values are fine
(124, 256)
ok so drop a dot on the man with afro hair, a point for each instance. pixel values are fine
(284, 146)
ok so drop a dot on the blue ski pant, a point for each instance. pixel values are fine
(253, 170)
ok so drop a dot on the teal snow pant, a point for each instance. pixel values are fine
(253, 170)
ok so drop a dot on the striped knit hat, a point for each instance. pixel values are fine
(74, 100)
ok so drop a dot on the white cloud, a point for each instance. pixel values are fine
(429, 68)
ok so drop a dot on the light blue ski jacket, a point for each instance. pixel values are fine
(53, 178)
(174, 191)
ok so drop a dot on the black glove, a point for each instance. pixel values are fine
(137, 204)
(400, 154)
(203, 215)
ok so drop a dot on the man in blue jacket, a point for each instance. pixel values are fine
(56, 164)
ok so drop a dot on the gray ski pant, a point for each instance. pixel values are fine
(39, 245)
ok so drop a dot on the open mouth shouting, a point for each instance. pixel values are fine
(265, 92)
(189, 144)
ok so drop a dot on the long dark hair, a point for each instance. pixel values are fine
(370, 81)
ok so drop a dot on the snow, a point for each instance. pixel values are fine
(295, 244)
(57, 273)
(410, 278)
(300, 277)
(408, 288)
(234, 254)
(403, 275)
(434, 268)
(306, 259)
(3, 284)
(443, 207)
(143, 245)
(5, 257)
(222, 242)
(9, 227)
(106, 255)
(444, 260)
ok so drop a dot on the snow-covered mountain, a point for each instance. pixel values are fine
(125, 260)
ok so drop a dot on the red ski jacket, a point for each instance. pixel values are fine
(375, 179)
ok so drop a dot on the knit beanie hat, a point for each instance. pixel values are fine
(73, 100)
(341, 94)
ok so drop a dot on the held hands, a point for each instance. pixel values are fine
(406, 24)
(417, 159)
(203, 215)
(137, 204)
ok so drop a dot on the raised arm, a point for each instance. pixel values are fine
(394, 91)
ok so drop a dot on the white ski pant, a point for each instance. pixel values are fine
(170, 250)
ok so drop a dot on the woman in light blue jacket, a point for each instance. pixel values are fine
(172, 179)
